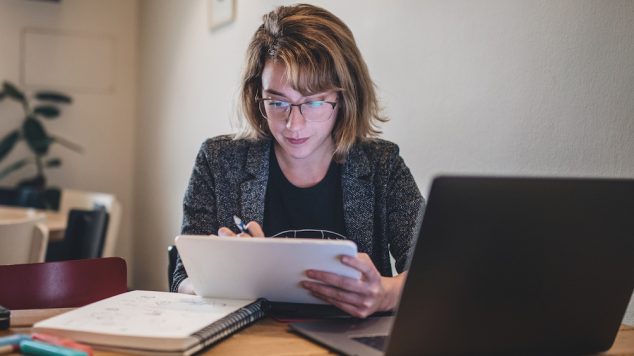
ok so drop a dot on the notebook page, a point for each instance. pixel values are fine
(145, 314)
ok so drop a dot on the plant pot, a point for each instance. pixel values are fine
(31, 197)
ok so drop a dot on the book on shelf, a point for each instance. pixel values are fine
(157, 323)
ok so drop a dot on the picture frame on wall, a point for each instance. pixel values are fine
(220, 12)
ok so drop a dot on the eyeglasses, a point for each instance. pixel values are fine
(279, 110)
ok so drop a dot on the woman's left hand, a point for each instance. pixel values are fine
(362, 297)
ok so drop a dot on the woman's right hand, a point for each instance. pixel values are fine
(254, 229)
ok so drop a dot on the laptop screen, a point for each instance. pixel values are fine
(530, 264)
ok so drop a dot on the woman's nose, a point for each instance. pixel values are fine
(295, 119)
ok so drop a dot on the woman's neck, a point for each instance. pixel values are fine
(304, 172)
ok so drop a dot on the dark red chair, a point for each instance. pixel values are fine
(62, 284)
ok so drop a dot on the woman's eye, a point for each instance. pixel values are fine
(278, 104)
(315, 104)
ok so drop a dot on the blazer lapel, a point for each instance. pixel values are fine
(358, 198)
(253, 188)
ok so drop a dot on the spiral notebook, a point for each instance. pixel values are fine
(156, 323)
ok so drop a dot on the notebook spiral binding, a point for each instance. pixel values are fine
(232, 323)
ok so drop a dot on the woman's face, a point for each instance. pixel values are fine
(299, 139)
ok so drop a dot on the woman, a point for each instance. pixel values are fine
(309, 160)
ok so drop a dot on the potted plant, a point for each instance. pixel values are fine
(44, 105)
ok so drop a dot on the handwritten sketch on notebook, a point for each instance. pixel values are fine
(144, 320)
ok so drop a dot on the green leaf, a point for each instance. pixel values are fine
(14, 167)
(8, 142)
(53, 96)
(53, 162)
(66, 143)
(48, 111)
(36, 136)
(11, 90)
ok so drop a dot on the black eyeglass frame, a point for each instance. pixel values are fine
(299, 107)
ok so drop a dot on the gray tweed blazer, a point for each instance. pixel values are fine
(382, 204)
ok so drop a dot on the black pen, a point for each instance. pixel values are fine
(243, 228)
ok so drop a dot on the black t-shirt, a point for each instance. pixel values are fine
(314, 212)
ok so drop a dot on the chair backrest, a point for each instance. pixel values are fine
(84, 236)
(172, 254)
(23, 236)
(76, 199)
(63, 284)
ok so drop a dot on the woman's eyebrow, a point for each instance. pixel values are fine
(315, 96)
(274, 92)
(318, 96)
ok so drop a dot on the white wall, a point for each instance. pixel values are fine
(488, 86)
(102, 122)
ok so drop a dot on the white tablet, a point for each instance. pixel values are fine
(260, 267)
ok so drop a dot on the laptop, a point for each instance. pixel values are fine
(507, 265)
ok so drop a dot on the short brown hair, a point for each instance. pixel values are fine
(320, 54)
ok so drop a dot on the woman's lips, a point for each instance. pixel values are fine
(296, 141)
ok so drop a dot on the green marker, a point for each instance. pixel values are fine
(37, 348)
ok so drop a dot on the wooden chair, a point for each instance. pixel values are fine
(84, 236)
(23, 237)
(77, 199)
(63, 284)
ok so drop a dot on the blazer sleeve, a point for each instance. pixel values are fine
(199, 206)
(405, 206)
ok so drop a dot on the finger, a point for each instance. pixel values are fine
(334, 293)
(225, 232)
(337, 280)
(255, 229)
(363, 264)
(243, 234)
(186, 287)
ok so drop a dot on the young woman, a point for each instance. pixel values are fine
(308, 163)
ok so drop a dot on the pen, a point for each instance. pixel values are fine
(37, 348)
(13, 339)
(240, 225)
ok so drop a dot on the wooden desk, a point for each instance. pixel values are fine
(56, 222)
(269, 337)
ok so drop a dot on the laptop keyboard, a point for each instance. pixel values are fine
(377, 342)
